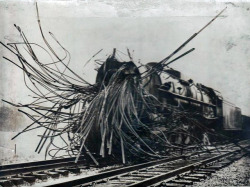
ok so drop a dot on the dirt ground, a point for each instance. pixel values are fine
(236, 174)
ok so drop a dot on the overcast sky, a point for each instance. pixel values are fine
(153, 29)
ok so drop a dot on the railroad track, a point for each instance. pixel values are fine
(192, 166)
(173, 172)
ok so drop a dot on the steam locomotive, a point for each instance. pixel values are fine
(170, 87)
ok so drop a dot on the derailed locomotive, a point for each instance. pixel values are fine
(218, 119)
(172, 88)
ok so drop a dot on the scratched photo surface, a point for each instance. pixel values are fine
(151, 30)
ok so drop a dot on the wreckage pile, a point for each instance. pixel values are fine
(115, 117)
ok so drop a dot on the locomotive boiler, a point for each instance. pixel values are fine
(171, 87)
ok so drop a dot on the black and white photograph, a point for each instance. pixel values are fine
(124, 93)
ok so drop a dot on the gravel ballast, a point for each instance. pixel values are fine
(236, 174)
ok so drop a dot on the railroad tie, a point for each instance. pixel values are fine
(140, 175)
(74, 170)
(205, 170)
(52, 174)
(41, 176)
(202, 173)
(16, 181)
(198, 175)
(64, 173)
(170, 184)
(29, 178)
(216, 166)
(194, 179)
(181, 181)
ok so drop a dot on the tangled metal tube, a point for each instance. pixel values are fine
(115, 116)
